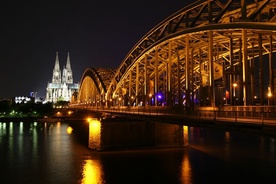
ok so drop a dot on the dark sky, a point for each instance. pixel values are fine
(95, 33)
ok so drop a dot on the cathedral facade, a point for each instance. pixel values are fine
(62, 86)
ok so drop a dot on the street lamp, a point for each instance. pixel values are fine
(119, 103)
(234, 92)
(225, 99)
(150, 97)
(269, 94)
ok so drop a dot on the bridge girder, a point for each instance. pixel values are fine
(180, 56)
(93, 86)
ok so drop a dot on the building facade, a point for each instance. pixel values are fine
(62, 86)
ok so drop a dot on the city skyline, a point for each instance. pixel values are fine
(95, 35)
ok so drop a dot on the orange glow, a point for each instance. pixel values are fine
(92, 172)
(227, 136)
(69, 130)
(94, 134)
(186, 170)
(186, 135)
(88, 120)
(91, 120)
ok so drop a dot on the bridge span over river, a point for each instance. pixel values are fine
(126, 127)
(213, 60)
(208, 54)
(254, 119)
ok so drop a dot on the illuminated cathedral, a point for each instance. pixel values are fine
(62, 87)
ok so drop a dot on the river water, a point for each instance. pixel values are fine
(51, 153)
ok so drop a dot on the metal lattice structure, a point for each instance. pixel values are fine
(209, 51)
(94, 84)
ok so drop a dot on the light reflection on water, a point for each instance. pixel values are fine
(52, 153)
(186, 170)
(92, 172)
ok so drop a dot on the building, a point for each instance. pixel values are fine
(62, 86)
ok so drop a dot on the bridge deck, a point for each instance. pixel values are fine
(257, 122)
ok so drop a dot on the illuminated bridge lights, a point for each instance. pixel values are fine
(203, 50)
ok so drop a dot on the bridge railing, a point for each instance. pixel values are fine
(258, 115)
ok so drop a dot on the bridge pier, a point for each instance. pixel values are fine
(123, 135)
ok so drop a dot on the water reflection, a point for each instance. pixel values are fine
(52, 153)
(21, 128)
(20, 139)
(227, 148)
(69, 130)
(186, 170)
(11, 139)
(92, 172)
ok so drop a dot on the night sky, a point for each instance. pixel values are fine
(95, 33)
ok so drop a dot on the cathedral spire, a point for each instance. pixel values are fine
(68, 64)
(67, 71)
(57, 68)
(56, 71)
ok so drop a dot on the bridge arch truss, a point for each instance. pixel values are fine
(93, 86)
(208, 53)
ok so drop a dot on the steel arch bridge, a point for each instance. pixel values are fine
(209, 53)
(94, 83)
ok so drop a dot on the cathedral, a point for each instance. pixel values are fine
(62, 87)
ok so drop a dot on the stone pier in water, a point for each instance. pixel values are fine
(123, 135)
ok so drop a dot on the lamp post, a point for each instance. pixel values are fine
(234, 92)
(269, 95)
(150, 96)
(255, 99)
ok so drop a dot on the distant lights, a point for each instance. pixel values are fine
(22, 99)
